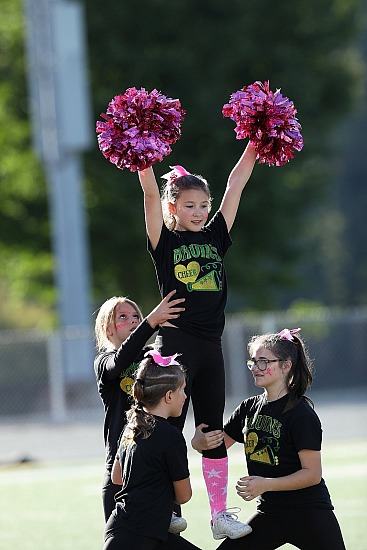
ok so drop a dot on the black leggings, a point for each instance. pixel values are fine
(205, 382)
(307, 529)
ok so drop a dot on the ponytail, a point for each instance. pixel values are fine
(299, 377)
(152, 382)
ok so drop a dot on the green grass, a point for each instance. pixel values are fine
(58, 505)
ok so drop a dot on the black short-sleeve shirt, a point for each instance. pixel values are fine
(149, 467)
(192, 263)
(272, 440)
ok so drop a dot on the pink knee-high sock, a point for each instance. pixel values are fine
(215, 472)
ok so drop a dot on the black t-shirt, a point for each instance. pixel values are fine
(272, 440)
(114, 370)
(192, 263)
(149, 466)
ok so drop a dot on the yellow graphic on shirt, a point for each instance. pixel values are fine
(187, 274)
(264, 455)
(126, 384)
(128, 441)
(127, 380)
(250, 443)
(208, 282)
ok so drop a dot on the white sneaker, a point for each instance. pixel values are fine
(177, 525)
(226, 524)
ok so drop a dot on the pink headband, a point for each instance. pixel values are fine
(286, 334)
(162, 361)
(175, 173)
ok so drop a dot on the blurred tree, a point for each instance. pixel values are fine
(339, 238)
(200, 52)
(26, 262)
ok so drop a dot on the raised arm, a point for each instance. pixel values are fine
(110, 366)
(152, 205)
(236, 182)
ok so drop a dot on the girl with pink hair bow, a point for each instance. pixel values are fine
(188, 254)
(282, 435)
(151, 466)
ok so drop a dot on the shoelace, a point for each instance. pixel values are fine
(231, 513)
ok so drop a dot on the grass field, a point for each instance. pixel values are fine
(57, 506)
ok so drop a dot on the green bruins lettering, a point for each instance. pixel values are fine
(206, 251)
(266, 424)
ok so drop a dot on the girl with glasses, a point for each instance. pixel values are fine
(282, 435)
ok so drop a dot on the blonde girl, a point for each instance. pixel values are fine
(121, 334)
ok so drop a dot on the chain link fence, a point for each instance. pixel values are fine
(36, 384)
(336, 342)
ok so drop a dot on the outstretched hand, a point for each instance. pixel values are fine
(205, 441)
(166, 310)
(250, 487)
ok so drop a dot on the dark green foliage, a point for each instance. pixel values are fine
(26, 262)
(200, 52)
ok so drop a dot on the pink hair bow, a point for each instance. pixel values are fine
(176, 172)
(286, 334)
(162, 361)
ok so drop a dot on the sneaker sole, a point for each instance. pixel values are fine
(218, 537)
(233, 537)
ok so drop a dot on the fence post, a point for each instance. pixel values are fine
(56, 377)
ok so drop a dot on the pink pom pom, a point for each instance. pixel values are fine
(268, 120)
(140, 130)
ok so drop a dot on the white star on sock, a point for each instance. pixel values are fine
(214, 473)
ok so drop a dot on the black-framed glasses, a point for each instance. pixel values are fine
(261, 364)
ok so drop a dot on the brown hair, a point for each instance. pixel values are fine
(172, 190)
(299, 377)
(152, 382)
